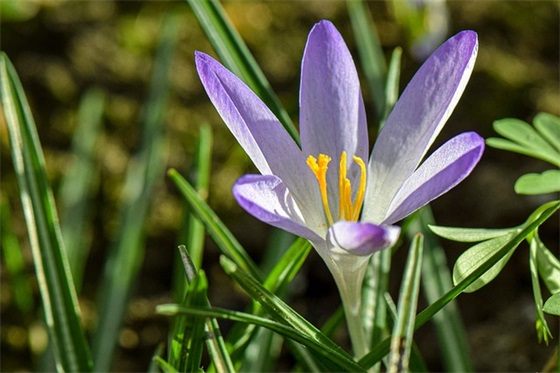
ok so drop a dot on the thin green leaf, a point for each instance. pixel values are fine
(472, 258)
(281, 312)
(164, 365)
(548, 126)
(182, 351)
(552, 305)
(285, 330)
(393, 82)
(144, 172)
(538, 217)
(436, 280)
(469, 234)
(371, 53)
(531, 184)
(158, 352)
(401, 340)
(549, 267)
(58, 294)
(76, 186)
(543, 331)
(236, 56)
(225, 240)
(192, 232)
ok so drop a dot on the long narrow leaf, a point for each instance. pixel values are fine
(76, 187)
(278, 327)
(51, 264)
(401, 340)
(281, 312)
(544, 212)
(225, 240)
(145, 170)
(236, 56)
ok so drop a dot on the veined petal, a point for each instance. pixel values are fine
(332, 115)
(417, 118)
(267, 199)
(444, 169)
(255, 127)
(361, 238)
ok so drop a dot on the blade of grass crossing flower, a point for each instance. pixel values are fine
(236, 56)
(51, 264)
(371, 53)
(401, 340)
(278, 327)
(538, 217)
(436, 280)
(76, 187)
(225, 240)
(281, 312)
(543, 331)
(144, 172)
(192, 233)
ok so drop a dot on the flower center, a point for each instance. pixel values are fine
(348, 210)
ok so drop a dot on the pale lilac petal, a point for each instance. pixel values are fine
(267, 199)
(332, 115)
(362, 239)
(417, 118)
(255, 127)
(443, 170)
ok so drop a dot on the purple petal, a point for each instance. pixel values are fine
(267, 199)
(417, 118)
(256, 128)
(332, 115)
(444, 169)
(362, 238)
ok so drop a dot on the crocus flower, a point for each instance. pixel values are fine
(329, 191)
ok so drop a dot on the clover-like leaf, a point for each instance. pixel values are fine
(552, 305)
(534, 183)
(548, 126)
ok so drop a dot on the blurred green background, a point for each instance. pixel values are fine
(62, 48)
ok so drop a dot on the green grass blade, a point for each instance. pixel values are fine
(225, 240)
(236, 56)
(371, 53)
(192, 233)
(51, 264)
(541, 215)
(145, 170)
(401, 340)
(76, 186)
(278, 327)
(436, 280)
(281, 312)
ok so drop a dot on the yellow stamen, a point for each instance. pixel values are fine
(347, 210)
(319, 168)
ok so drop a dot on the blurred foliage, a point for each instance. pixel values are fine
(61, 48)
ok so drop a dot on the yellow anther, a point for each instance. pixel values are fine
(319, 168)
(347, 210)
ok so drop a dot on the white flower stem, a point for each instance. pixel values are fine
(351, 301)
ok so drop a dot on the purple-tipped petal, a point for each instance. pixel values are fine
(267, 199)
(332, 115)
(256, 128)
(362, 238)
(417, 118)
(443, 170)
